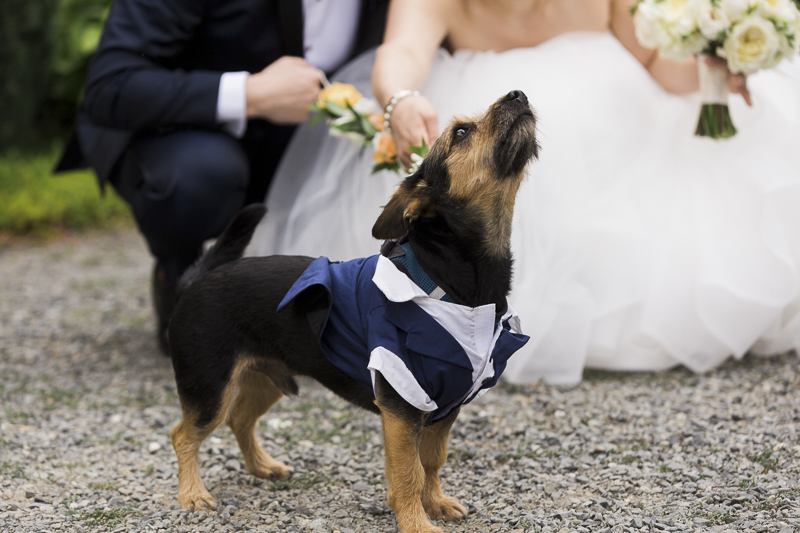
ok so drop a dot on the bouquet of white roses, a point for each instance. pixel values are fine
(750, 34)
(352, 116)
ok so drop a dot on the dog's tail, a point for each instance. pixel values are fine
(228, 247)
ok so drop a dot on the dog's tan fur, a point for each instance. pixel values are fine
(257, 394)
(433, 454)
(468, 165)
(471, 181)
(405, 475)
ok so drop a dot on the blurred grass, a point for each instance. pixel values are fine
(34, 202)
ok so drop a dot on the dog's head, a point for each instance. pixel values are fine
(470, 177)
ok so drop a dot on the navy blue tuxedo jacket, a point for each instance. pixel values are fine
(159, 62)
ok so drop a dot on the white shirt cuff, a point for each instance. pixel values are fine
(232, 103)
(402, 380)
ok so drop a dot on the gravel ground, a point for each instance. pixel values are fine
(88, 404)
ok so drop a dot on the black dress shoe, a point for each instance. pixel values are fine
(164, 304)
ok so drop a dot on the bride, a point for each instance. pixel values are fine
(637, 245)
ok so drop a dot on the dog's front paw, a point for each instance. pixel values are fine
(197, 500)
(445, 508)
(421, 528)
(271, 469)
(281, 471)
(417, 526)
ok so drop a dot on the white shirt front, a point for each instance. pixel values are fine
(473, 328)
(329, 33)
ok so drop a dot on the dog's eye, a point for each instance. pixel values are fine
(460, 132)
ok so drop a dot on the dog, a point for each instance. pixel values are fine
(252, 324)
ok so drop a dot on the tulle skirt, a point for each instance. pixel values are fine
(637, 245)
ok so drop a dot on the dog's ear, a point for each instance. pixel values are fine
(407, 204)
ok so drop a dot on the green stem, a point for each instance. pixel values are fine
(715, 122)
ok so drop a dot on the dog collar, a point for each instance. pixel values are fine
(404, 259)
(400, 253)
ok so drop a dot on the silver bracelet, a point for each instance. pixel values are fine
(396, 97)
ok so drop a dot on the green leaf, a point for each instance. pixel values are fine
(634, 7)
(421, 151)
(349, 127)
(318, 117)
(367, 127)
(395, 167)
(335, 109)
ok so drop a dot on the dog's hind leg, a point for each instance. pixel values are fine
(186, 439)
(200, 417)
(433, 454)
(257, 395)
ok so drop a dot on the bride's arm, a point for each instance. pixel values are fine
(414, 31)
(675, 76)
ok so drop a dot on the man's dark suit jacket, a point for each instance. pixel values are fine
(158, 65)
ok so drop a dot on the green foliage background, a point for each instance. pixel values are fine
(45, 46)
(34, 202)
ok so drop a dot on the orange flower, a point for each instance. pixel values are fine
(376, 119)
(338, 93)
(386, 151)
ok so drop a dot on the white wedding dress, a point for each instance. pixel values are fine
(637, 245)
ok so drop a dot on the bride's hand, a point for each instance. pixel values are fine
(413, 120)
(737, 83)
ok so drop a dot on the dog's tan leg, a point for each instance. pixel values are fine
(405, 474)
(188, 436)
(433, 454)
(257, 395)
(186, 439)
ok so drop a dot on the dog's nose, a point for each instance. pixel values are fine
(516, 95)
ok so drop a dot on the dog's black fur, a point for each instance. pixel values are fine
(225, 331)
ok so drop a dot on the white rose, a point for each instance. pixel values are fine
(686, 47)
(786, 17)
(790, 42)
(670, 26)
(344, 119)
(680, 18)
(416, 161)
(777, 10)
(794, 29)
(735, 9)
(752, 44)
(679, 9)
(712, 21)
(367, 106)
(650, 32)
(353, 137)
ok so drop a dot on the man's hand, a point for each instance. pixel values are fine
(414, 119)
(283, 92)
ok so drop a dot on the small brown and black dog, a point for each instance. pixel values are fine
(226, 334)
